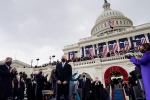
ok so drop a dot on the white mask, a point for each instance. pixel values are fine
(18, 77)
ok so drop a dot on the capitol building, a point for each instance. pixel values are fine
(111, 36)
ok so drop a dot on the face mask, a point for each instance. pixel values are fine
(18, 77)
(63, 60)
(8, 63)
(142, 51)
(40, 72)
(83, 75)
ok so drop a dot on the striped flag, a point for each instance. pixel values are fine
(113, 47)
(140, 41)
(111, 24)
(124, 45)
(87, 52)
(91, 51)
(104, 51)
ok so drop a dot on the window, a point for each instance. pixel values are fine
(120, 22)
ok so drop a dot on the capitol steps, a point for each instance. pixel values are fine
(118, 94)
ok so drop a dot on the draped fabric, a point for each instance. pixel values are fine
(113, 45)
(89, 51)
(71, 55)
(103, 49)
(140, 39)
(124, 44)
(112, 69)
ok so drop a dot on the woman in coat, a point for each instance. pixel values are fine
(144, 64)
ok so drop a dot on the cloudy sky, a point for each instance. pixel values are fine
(33, 29)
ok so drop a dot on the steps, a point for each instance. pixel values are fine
(118, 95)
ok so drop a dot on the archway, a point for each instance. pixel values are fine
(119, 69)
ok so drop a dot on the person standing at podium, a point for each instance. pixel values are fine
(63, 75)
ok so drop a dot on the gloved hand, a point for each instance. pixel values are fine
(129, 55)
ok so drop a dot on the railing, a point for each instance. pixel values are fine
(100, 60)
(119, 57)
(84, 62)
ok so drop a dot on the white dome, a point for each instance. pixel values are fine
(102, 22)
(107, 14)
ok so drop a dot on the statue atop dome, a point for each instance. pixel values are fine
(105, 1)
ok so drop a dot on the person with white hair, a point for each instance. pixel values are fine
(6, 75)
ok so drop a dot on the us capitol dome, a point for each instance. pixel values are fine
(102, 22)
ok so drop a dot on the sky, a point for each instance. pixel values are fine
(31, 29)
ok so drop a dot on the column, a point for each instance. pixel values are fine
(118, 45)
(80, 52)
(134, 43)
(107, 46)
(146, 37)
(97, 49)
(84, 51)
(93, 49)
(129, 41)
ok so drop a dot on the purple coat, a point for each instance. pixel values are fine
(144, 63)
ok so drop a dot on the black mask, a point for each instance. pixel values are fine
(63, 60)
(40, 72)
(83, 75)
(8, 63)
(142, 51)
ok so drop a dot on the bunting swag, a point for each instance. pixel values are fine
(124, 44)
(89, 51)
(71, 55)
(103, 49)
(140, 39)
(113, 46)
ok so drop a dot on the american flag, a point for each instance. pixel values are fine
(113, 47)
(72, 55)
(104, 51)
(124, 45)
(87, 52)
(140, 41)
(111, 24)
(92, 51)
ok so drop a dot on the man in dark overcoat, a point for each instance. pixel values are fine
(6, 76)
(39, 85)
(85, 85)
(31, 90)
(19, 87)
(63, 75)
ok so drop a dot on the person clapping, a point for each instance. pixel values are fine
(144, 64)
